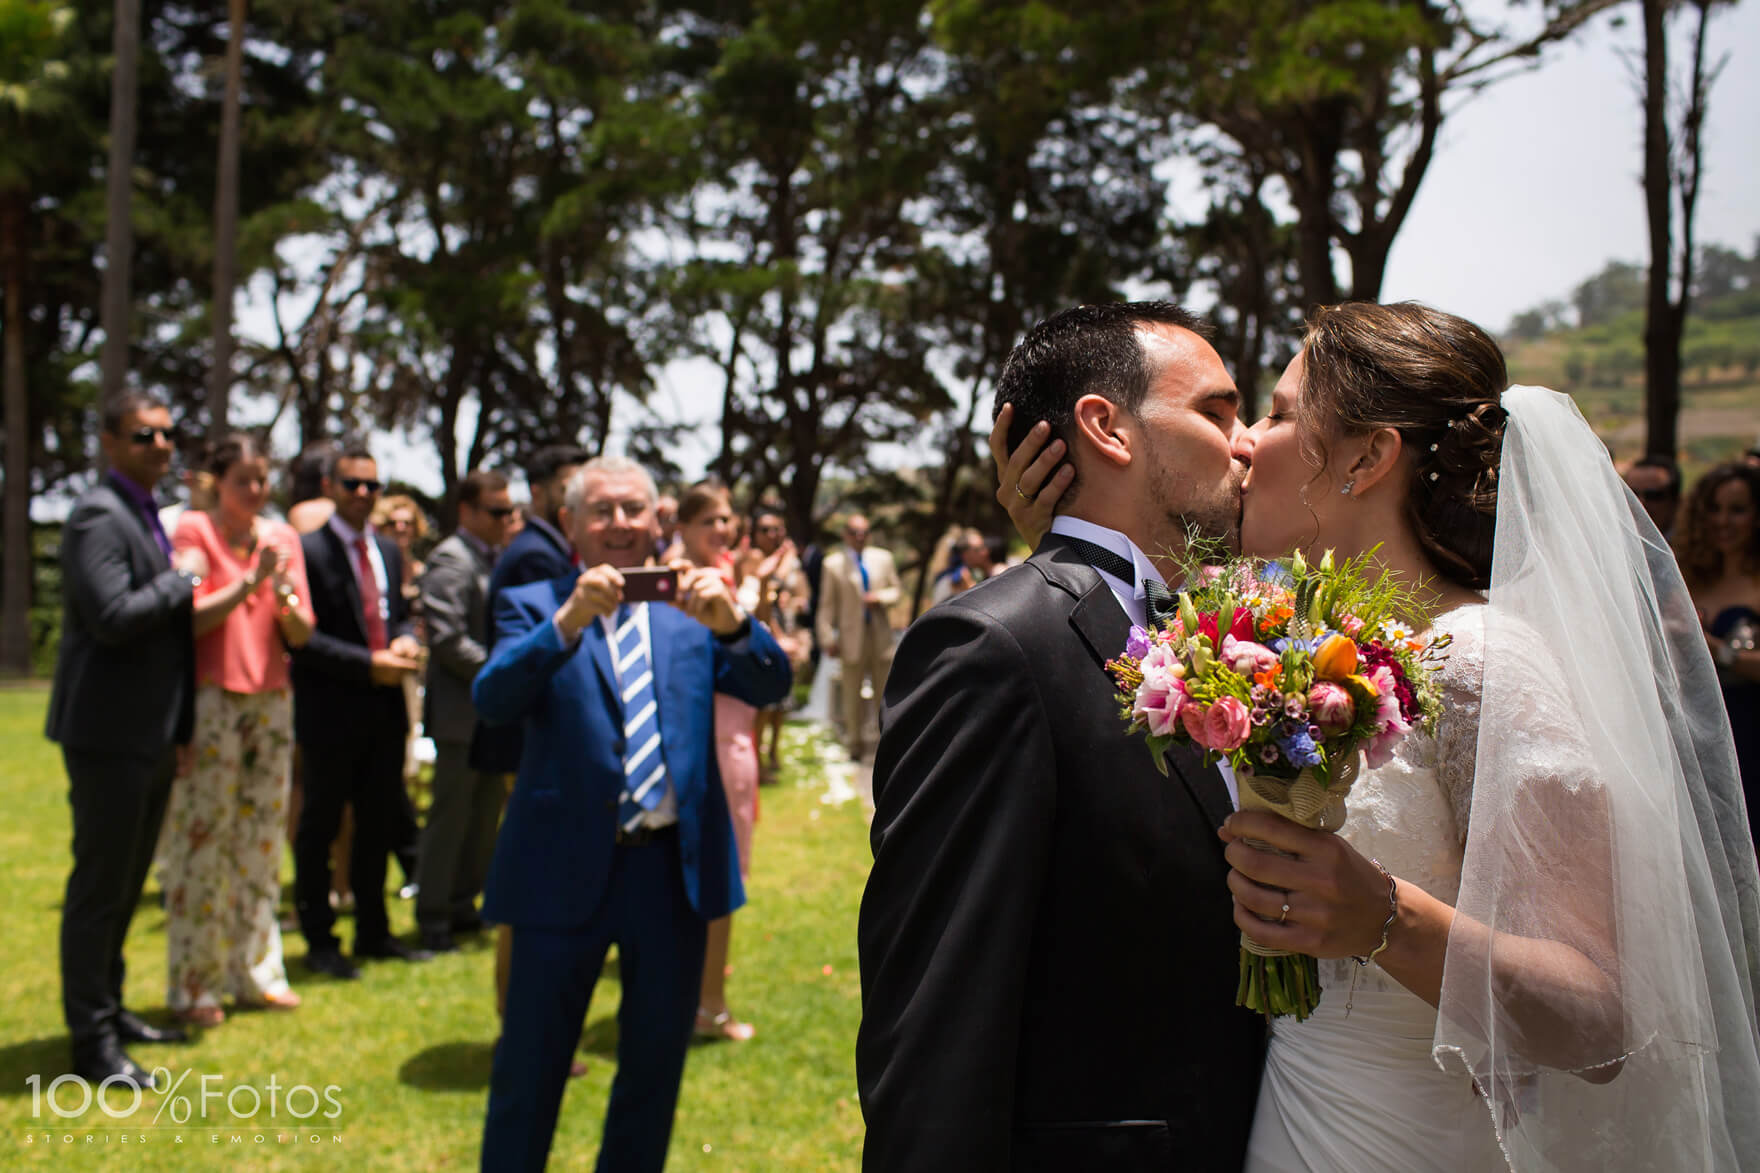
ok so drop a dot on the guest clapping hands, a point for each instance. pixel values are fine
(223, 847)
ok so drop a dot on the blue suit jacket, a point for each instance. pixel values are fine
(554, 852)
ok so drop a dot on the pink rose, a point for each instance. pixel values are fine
(1193, 718)
(1331, 708)
(1247, 657)
(1227, 724)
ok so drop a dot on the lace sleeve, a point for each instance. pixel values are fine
(1457, 731)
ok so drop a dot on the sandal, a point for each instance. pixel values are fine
(280, 1000)
(723, 1026)
(203, 1016)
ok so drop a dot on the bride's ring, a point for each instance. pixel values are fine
(1284, 915)
(1020, 494)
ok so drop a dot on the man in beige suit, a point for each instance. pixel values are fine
(858, 587)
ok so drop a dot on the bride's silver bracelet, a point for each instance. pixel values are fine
(1392, 912)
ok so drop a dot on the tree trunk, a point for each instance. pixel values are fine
(226, 224)
(15, 514)
(118, 230)
(1662, 327)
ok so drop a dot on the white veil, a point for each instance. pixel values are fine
(1600, 974)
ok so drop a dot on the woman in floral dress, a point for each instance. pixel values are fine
(226, 818)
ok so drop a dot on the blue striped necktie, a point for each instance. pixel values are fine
(644, 769)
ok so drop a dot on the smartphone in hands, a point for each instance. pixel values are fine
(649, 584)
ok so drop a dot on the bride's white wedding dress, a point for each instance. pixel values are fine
(1583, 730)
(1357, 1089)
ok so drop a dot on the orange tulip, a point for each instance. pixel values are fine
(1336, 659)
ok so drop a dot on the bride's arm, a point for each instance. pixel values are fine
(1555, 980)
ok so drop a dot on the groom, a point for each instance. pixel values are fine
(1047, 944)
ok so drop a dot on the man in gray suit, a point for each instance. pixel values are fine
(122, 709)
(459, 837)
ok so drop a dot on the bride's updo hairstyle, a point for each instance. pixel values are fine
(1438, 379)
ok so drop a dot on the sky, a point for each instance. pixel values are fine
(1536, 182)
(1535, 185)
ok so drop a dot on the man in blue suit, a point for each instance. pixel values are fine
(617, 830)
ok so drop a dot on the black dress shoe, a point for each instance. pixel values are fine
(131, 1028)
(438, 941)
(105, 1059)
(333, 963)
(390, 947)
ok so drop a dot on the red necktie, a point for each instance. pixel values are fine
(370, 613)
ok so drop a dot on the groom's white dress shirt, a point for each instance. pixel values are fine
(1131, 596)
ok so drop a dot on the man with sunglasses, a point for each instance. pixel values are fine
(459, 836)
(1657, 482)
(122, 710)
(349, 716)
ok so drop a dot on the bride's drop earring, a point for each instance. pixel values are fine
(1348, 486)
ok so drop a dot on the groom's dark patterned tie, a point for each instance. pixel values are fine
(1162, 604)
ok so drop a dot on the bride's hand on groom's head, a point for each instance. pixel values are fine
(1031, 479)
(1336, 899)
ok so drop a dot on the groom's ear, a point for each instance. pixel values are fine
(1104, 427)
(1377, 460)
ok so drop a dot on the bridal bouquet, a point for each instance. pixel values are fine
(1293, 673)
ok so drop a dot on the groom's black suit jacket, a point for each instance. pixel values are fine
(1049, 962)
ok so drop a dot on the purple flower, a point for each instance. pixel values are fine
(1137, 646)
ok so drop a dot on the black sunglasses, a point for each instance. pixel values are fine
(356, 484)
(501, 512)
(1656, 494)
(170, 435)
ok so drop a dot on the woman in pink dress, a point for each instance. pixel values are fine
(225, 820)
(706, 528)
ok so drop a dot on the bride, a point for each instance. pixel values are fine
(1540, 928)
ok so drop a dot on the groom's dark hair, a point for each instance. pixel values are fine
(1084, 350)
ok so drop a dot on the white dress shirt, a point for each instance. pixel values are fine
(1132, 596)
(349, 536)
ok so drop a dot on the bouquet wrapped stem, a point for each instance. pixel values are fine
(1275, 982)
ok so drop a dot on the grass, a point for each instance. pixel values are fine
(407, 1047)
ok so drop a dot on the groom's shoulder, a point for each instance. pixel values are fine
(1019, 598)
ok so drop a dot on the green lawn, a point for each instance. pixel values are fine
(407, 1046)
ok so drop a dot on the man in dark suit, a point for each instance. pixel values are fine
(459, 834)
(538, 553)
(349, 716)
(1047, 944)
(122, 709)
(617, 830)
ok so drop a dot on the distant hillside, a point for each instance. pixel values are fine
(1602, 367)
